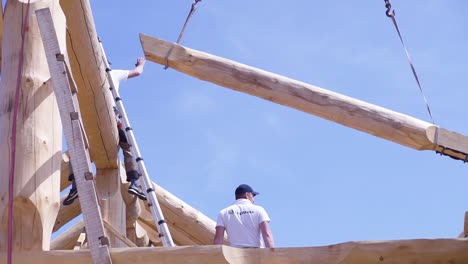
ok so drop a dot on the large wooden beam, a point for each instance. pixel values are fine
(419, 251)
(39, 132)
(188, 226)
(369, 118)
(88, 68)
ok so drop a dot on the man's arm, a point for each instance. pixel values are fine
(138, 70)
(219, 236)
(267, 234)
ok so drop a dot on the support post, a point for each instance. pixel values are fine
(39, 132)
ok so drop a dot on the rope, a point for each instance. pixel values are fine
(391, 14)
(182, 32)
(13, 136)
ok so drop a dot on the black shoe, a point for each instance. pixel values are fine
(135, 189)
(71, 197)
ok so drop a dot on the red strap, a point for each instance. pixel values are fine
(13, 136)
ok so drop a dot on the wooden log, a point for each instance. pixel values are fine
(66, 213)
(89, 73)
(111, 203)
(419, 251)
(187, 225)
(133, 230)
(67, 239)
(138, 235)
(39, 131)
(371, 119)
(179, 236)
(118, 234)
(153, 235)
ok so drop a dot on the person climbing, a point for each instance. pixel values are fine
(130, 165)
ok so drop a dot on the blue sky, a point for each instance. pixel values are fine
(321, 183)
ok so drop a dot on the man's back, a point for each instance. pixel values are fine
(242, 223)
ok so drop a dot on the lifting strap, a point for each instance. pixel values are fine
(391, 14)
(181, 34)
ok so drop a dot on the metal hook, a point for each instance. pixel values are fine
(194, 4)
(389, 13)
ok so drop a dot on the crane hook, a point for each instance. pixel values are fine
(389, 13)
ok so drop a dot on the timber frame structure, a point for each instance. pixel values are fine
(133, 236)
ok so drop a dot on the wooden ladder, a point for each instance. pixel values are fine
(66, 93)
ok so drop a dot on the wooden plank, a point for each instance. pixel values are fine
(368, 118)
(419, 251)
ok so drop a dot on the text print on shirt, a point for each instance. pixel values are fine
(241, 212)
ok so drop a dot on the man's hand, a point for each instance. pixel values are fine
(267, 234)
(139, 65)
(140, 61)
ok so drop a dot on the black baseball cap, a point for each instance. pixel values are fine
(244, 188)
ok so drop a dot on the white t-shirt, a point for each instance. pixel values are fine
(242, 223)
(118, 76)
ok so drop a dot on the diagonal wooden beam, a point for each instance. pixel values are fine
(116, 233)
(68, 238)
(188, 226)
(366, 117)
(153, 235)
(185, 222)
(66, 213)
(89, 72)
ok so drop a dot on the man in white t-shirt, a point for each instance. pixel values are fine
(244, 222)
(131, 168)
